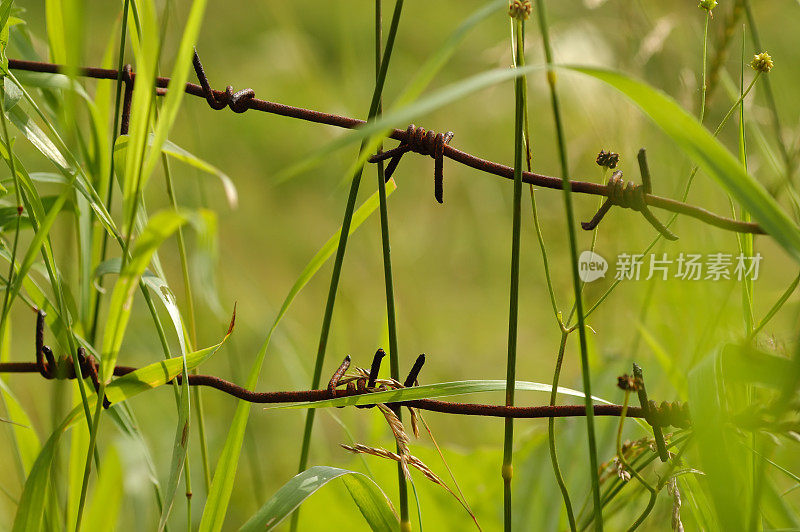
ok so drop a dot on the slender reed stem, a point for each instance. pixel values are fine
(632, 470)
(110, 190)
(187, 289)
(394, 357)
(340, 250)
(686, 189)
(573, 246)
(704, 88)
(788, 157)
(564, 332)
(20, 210)
(551, 433)
(513, 314)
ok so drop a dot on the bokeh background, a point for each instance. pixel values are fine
(451, 261)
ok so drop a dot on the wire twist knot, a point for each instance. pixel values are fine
(237, 101)
(63, 368)
(630, 196)
(626, 195)
(675, 414)
(424, 142)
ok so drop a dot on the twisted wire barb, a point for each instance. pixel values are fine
(629, 195)
(245, 99)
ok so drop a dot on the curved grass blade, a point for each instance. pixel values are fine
(159, 228)
(225, 473)
(367, 495)
(708, 153)
(429, 391)
(699, 144)
(180, 154)
(421, 80)
(29, 510)
(721, 459)
(159, 373)
(172, 101)
(103, 511)
(26, 442)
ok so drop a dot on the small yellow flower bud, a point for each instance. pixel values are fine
(708, 5)
(519, 9)
(762, 63)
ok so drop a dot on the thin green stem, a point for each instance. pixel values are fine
(340, 250)
(394, 356)
(632, 470)
(788, 158)
(12, 165)
(187, 289)
(110, 190)
(745, 241)
(545, 260)
(686, 189)
(576, 282)
(551, 433)
(513, 314)
(640, 463)
(98, 410)
(704, 87)
(774, 309)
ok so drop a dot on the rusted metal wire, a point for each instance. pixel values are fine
(664, 415)
(667, 414)
(630, 196)
(438, 146)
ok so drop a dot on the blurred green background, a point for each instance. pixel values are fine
(450, 261)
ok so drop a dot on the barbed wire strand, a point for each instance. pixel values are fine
(46, 364)
(438, 148)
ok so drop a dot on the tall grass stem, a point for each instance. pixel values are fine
(340, 250)
(573, 247)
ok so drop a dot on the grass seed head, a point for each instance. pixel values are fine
(708, 5)
(519, 9)
(762, 63)
(628, 383)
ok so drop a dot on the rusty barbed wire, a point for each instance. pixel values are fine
(363, 383)
(437, 146)
(629, 196)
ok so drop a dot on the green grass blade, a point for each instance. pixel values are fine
(225, 473)
(429, 391)
(416, 86)
(159, 228)
(180, 154)
(79, 441)
(40, 239)
(159, 373)
(103, 511)
(708, 153)
(179, 451)
(372, 502)
(180, 74)
(26, 441)
(368, 496)
(720, 459)
(146, 47)
(157, 284)
(29, 509)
